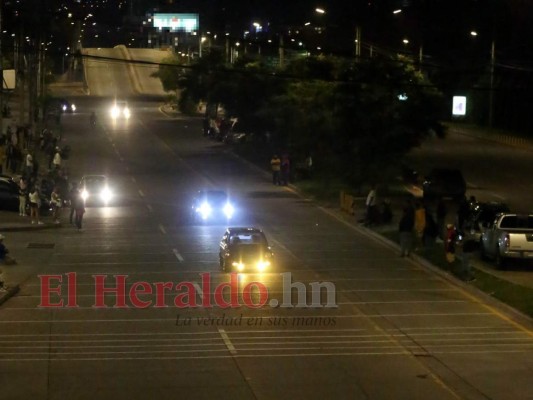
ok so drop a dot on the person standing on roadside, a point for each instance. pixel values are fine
(23, 193)
(441, 217)
(28, 165)
(420, 223)
(407, 223)
(57, 159)
(2, 157)
(55, 201)
(275, 164)
(370, 204)
(285, 169)
(35, 204)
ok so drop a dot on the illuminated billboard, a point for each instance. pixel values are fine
(176, 22)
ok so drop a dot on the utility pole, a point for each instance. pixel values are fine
(281, 52)
(1, 76)
(491, 93)
(357, 43)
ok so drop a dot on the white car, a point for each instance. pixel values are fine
(120, 109)
(94, 189)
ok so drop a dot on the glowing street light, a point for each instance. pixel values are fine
(473, 33)
(405, 41)
(320, 10)
(397, 11)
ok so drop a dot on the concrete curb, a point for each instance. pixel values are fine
(11, 291)
(24, 228)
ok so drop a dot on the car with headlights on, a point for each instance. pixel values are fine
(120, 109)
(95, 190)
(245, 249)
(211, 205)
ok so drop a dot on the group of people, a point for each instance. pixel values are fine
(281, 169)
(12, 146)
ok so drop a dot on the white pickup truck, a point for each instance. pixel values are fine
(510, 236)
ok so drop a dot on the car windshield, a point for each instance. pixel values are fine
(94, 182)
(517, 222)
(214, 197)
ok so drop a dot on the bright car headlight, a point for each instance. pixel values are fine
(64, 107)
(127, 112)
(106, 195)
(228, 210)
(84, 194)
(262, 265)
(205, 210)
(238, 265)
(114, 112)
(73, 107)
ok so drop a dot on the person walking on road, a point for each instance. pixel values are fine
(275, 164)
(80, 210)
(73, 196)
(35, 203)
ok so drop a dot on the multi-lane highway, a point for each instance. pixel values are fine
(398, 331)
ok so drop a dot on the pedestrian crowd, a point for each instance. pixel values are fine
(41, 188)
(421, 227)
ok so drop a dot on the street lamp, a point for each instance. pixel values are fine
(491, 88)
(397, 11)
(320, 10)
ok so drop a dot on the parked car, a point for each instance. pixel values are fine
(444, 182)
(481, 218)
(245, 250)
(511, 236)
(9, 195)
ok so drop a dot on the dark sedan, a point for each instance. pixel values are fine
(444, 182)
(245, 250)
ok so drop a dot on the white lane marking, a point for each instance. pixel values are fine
(149, 207)
(255, 356)
(227, 341)
(173, 319)
(133, 179)
(162, 229)
(178, 255)
(141, 193)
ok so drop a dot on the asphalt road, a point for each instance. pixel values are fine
(398, 330)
